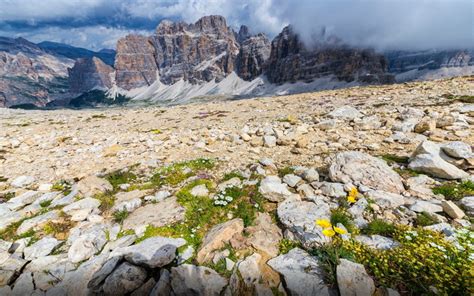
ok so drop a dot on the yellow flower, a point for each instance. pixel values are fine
(352, 196)
(351, 199)
(324, 223)
(329, 232)
(339, 230)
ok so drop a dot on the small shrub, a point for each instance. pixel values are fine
(287, 245)
(107, 200)
(120, 216)
(425, 219)
(454, 190)
(379, 227)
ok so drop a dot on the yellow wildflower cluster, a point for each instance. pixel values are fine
(424, 259)
(352, 196)
(329, 229)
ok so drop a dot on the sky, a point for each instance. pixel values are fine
(382, 24)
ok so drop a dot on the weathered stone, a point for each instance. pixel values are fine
(425, 206)
(377, 241)
(468, 204)
(452, 209)
(22, 181)
(93, 185)
(125, 279)
(200, 191)
(302, 273)
(345, 112)
(87, 245)
(457, 149)
(37, 222)
(291, 180)
(10, 267)
(362, 169)
(41, 248)
(386, 200)
(160, 214)
(272, 189)
(265, 236)
(217, 237)
(353, 280)
(188, 279)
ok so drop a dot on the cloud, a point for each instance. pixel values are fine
(384, 24)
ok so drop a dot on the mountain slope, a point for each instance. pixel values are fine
(54, 48)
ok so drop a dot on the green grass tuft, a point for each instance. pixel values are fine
(120, 216)
(425, 219)
(340, 215)
(379, 227)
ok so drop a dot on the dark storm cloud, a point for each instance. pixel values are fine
(402, 24)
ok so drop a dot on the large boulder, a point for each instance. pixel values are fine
(362, 169)
(428, 158)
(125, 279)
(300, 216)
(302, 273)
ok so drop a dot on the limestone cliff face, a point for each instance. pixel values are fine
(253, 54)
(402, 61)
(89, 74)
(204, 51)
(135, 64)
(291, 60)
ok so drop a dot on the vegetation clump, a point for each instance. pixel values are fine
(379, 227)
(455, 190)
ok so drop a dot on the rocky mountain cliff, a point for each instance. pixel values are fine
(28, 75)
(89, 74)
(291, 60)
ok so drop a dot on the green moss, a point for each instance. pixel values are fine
(46, 203)
(379, 227)
(455, 190)
(126, 232)
(425, 219)
(287, 245)
(120, 216)
(391, 158)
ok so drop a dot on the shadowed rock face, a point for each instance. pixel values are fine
(88, 74)
(254, 52)
(290, 61)
(28, 75)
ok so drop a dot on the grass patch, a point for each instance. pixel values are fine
(8, 195)
(9, 233)
(455, 190)
(287, 245)
(285, 171)
(202, 213)
(231, 175)
(126, 232)
(62, 186)
(120, 177)
(59, 229)
(120, 216)
(176, 173)
(406, 172)
(379, 227)
(392, 158)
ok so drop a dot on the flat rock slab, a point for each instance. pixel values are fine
(189, 279)
(362, 169)
(166, 212)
